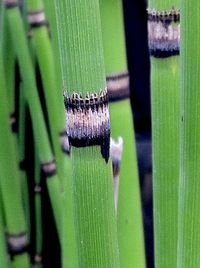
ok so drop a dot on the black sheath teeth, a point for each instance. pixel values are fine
(88, 122)
(164, 33)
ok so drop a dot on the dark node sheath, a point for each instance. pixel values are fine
(164, 33)
(49, 168)
(37, 189)
(36, 19)
(118, 86)
(17, 244)
(88, 122)
(10, 3)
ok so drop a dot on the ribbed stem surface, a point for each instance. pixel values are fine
(189, 221)
(113, 36)
(3, 249)
(81, 50)
(81, 54)
(130, 228)
(94, 207)
(165, 100)
(165, 128)
(31, 95)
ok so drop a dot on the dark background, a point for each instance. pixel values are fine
(139, 69)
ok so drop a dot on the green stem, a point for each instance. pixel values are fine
(10, 177)
(130, 227)
(40, 133)
(189, 236)
(165, 98)
(81, 56)
(38, 213)
(3, 250)
(44, 54)
(21, 139)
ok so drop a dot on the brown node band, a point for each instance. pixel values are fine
(22, 165)
(10, 3)
(36, 18)
(49, 168)
(88, 121)
(17, 243)
(164, 32)
(38, 259)
(118, 86)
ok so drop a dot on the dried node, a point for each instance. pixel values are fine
(17, 243)
(88, 121)
(37, 189)
(49, 168)
(10, 3)
(38, 259)
(118, 86)
(164, 32)
(36, 18)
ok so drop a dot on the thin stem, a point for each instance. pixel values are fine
(129, 216)
(165, 99)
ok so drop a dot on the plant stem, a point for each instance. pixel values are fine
(82, 64)
(165, 99)
(22, 160)
(38, 214)
(130, 227)
(10, 177)
(44, 55)
(189, 218)
(3, 250)
(40, 133)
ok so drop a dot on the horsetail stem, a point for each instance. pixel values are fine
(163, 26)
(189, 198)
(129, 217)
(44, 56)
(10, 182)
(22, 156)
(38, 214)
(83, 76)
(40, 133)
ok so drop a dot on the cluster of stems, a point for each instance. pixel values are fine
(47, 47)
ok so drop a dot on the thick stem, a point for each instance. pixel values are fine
(83, 71)
(189, 220)
(129, 217)
(10, 176)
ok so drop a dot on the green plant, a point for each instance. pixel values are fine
(83, 76)
(189, 238)
(165, 103)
